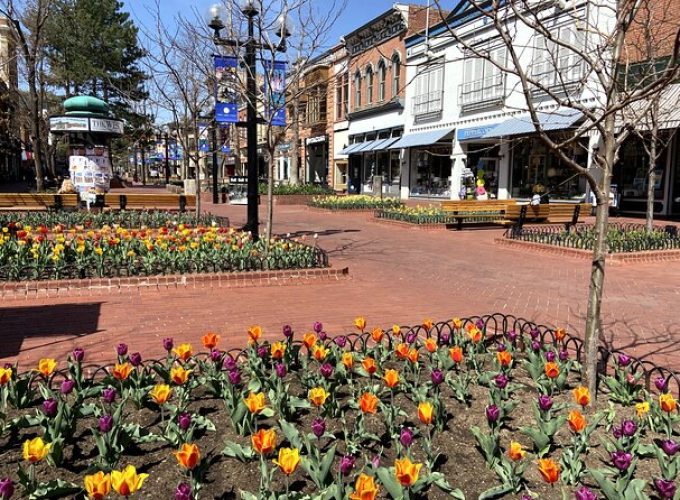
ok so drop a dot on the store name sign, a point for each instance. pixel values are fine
(316, 140)
(82, 124)
(105, 125)
(465, 134)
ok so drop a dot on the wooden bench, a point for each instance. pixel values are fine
(482, 211)
(38, 201)
(143, 201)
(568, 214)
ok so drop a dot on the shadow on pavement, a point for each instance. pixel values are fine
(327, 232)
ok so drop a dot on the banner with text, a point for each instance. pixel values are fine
(226, 89)
(275, 88)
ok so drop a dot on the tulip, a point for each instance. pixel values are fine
(6, 488)
(184, 420)
(183, 492)
(215, 355)
(401, 350)
(665, 488)
(98, 485)
(492, 413)
(430, 344)
(621, 460)
(365, 488)
(413, 355)
(105, 423)
(564, 355)
(368, 403)
(560, 334)
(317, 396)
(501, 381)
(229, 363)
(576, 420)
(255, 402)
(168, 344)
(287, 331)
(406, 437)
(628, 428)
(278, 349)
(670, 447)
(121, 371)
(46, 366)
(323, 336)
(515, 451)
(584, 493)
(135, 359)
(549, 469)
(210, 340)
(661, 384)
(456, 354)
(369, 365)
(552, 370)
(184, 351)
(319, 352)
(35, 450)
(425, 412)
(160, 393)
(109, 395)
(444, 338)
(317, 327)
(475, 335)
(437, 376)
(254, 334)
(341, 341)
(406, 471)
(78, 354)
(262, 351)
(391, 378)
(179, 375)
(667, 402)
(347, 464)
(534, 333)
(234, 377)
(264, 441)
(127, 481)
(50, 407)
(457, 323)
(411, 337)
(377, 335)
(360, 323)
(535, 345)
(67, 386)
(348, 360)
(280, 370)
(318, 427)
(309, 340)
(501, 347)
(582, 396)
(511, 335)
(545, 402)
(122, 349)
(288, 460)
(642, 408)
(188, 456)
(550, 356)
(5, 376)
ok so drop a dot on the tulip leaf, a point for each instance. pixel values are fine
(607, 486)
(54, 489)
(291, 433)
(235, 450)
(326, 464)
(496, 492)
(389, 481)
(635, 490)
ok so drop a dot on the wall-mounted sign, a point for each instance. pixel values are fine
(316, 140)
(466, 134)
(69, 124)
(284, 146)
(106, 125)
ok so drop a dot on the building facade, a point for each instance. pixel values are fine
(10, 146)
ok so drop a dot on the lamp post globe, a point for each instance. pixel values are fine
(249, 8)
(215, 15)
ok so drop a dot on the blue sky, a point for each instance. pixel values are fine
(357, 12)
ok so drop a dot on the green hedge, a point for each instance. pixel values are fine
(358, 202)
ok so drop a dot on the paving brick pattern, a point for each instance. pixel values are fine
(396, 275)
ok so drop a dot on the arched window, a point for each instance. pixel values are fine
(382, 76)
(396, 74)
(357, 90)
(369, 85)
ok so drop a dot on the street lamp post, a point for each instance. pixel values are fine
(250, 62)
(167, 160)
(214, 162)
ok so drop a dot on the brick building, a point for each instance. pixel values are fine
(10, 149)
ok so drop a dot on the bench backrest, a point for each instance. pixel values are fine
(566, 212)
(531, 212)
(476, 205)
(47, 200)
(149, 200)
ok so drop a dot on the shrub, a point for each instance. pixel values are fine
(354, 202)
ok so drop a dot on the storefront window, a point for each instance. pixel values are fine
(482, 160)
(632, 179)
(340, 173)
(537, 170)
(432, 171)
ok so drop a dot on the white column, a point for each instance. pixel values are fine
(405, 172)
(458, 158)
(504, 173)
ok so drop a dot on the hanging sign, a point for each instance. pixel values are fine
(226, 80)
(275, 88)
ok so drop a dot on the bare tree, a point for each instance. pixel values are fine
(580, 70)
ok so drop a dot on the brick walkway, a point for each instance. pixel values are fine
(397, 275)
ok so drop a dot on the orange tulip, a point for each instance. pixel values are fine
(160, 393)
(179, 375)
(549, 469)
(255, 402)
(289, 459)
(516, 452)
(365, 488)
(396, 329)
(210, 340)
(368, 403)
(576, 420)
(552, 370)
(264, 441)
(560, 334)
(504, 358)
(406, 471)
(183, 351)
(360, 323)
(457, 323)
(413, 355)
(667, 402)
(377, 335)
(431, 344)
(391, 378)
(317, 396)
(278, 349)
(319, 352)
(475, 335)
(427, 324)
(582, 396)
(309, 339)
(456, 354)
(254, 334)
(98, 485)
(46, 366)
(121, 371)
(369, 365)
(401, 351)
(348, 360)
(188, 456)
(5, 375)
(425, 412)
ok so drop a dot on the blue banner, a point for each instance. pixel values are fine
(275, 88)
(226, 89)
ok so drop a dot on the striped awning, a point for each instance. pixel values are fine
(559, 119)
(421, 138)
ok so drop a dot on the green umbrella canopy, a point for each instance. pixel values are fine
(86, 105)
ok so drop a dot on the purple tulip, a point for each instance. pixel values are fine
(534, 333)
(78, 354)
(183, 492)
(545, 402)
(6, 488)
(326, 370)
(661, 384)
(50, 407)
(8, 366)
(492, 413)
(122, 349)
(535, 345)
(67, 386)
(665, 488)
(621, 460)
(502, 347)
(318, 427)
(564, 355)
(501, 381)
(347, 464)
(105, 423)
(406, 437)
(215, 355)
(318, 327)
(341, 341)
(323, 336)
(135, 359)
(375, 461)
(550, 356)
(287, 331)
(628, 428)
(280, 370)
(670, 447)
(623, 360)
(584, 493)
(168, 344)
(234, 377)
(479, 324)
(444, 338)
(184, 420)
(617, 432)
(262, 352)
(437, 376)
(511, 335)
(411, 337)
(229, 363)
(109, 395)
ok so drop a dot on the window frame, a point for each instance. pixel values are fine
(369, 84)
(357, 90)
(396, 74)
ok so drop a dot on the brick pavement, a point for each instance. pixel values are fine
(396, 275)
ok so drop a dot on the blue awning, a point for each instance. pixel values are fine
(352, 148)
(421, 138)
(367, 146)
(522, 125)
(385, 143)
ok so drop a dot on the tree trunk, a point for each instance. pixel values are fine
(36, 141)
(649, 220)
(293, 177)
(270, 199)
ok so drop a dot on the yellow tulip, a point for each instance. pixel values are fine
(288, 461)
(98, 485)
(46, 366)
(127, 481)
(406, 471)
(318, 396)
(36, 450)
(255, 402)
(161, 393)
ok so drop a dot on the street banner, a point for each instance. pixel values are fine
(275, 88)
(226, 89)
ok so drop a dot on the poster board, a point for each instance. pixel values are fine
(90, 170)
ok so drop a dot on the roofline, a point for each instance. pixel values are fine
(380, 17)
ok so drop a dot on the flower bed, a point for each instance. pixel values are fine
(58, 252)
(296, 189)
(621, 238)
(354, 202)
(415, 215)
(460, 409)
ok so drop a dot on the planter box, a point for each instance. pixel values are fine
(289, 199)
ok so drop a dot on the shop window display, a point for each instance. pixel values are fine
(631, 175)
(432, 172)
